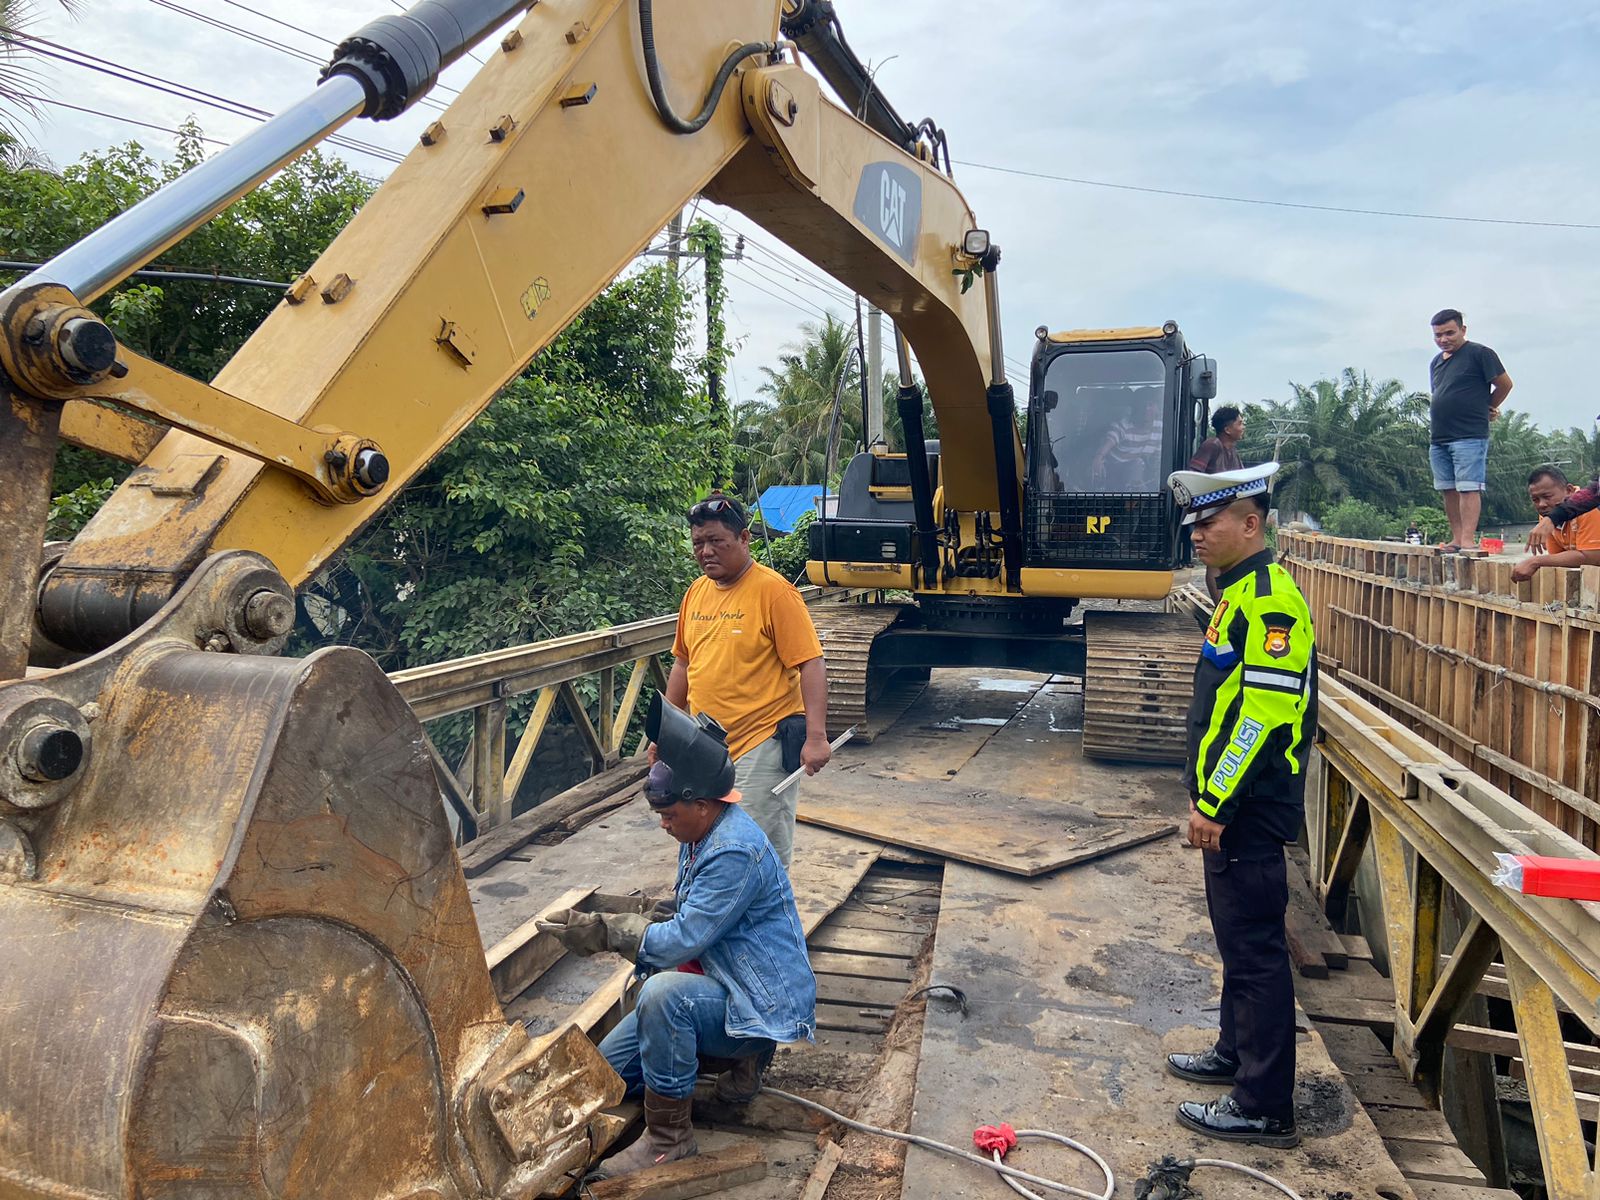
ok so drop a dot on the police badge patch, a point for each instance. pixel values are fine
(1277, 640)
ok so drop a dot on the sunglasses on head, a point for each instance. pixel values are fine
(715, 506)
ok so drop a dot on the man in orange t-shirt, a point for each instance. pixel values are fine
(1574, 544)
(748, 655)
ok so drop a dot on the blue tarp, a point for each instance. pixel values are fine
(783, 505)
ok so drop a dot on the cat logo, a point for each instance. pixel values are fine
(892, 210)
(1097, 524)
(1277, 641)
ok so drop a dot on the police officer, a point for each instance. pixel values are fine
(1250, 730)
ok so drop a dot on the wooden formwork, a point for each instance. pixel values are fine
(1501, 675)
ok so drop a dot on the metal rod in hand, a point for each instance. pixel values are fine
(833, 745)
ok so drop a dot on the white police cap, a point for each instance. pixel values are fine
(1199, 493)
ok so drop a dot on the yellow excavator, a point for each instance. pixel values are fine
(243, 960)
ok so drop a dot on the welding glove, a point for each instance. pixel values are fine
(660, 908)
(589, 933)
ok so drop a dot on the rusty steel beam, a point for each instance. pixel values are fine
(460, 684)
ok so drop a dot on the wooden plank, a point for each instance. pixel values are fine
(861, 966)
(1412, 1124)
(1350, 1010)
(1307, 961)
(525, 954)
(478, 856)
(1356, 947)
(1434, 1161)
(1384, 1087)
(688, 1177)
(1506, 1043)
(851, 1018)
(1428, 1189)
(856, 916)
(821, 1174)
(868, 941)
(1021, 835)
(861, 993)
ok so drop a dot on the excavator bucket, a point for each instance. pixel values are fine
(244, 961)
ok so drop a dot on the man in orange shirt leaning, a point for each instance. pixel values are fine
(1574, 544)
(748, 655)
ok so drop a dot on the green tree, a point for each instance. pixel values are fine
(1516, 446)
(194, 326)
(782, 437)
(1354, 518)
(1344, 437)
(560, 509)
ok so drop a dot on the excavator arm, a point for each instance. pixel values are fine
(545, 178)
(246, 961)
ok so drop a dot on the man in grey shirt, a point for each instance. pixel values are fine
(1469, 386)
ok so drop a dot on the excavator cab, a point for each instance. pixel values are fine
(1111, 413)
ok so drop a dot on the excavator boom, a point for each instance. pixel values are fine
(246, 958)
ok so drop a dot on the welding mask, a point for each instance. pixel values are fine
(695, 750)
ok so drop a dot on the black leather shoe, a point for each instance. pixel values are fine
(1223, 1118)
(1209, 1067)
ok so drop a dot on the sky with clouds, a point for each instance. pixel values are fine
(1481, 109)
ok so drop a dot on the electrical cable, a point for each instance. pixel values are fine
(1259, 1176)
(314, 36)
(1013, 1177)
(956, 1152)
(95, 112)
(263, 40)
(192, 95)
(126, 120)
(11, 264)
(658, 91)
(1330, 208)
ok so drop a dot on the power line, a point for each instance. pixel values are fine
(316, 37)
(821, 282)
(126, 120)
(1331, 208)
(95, 112)
(192, 95)
(259, 39)
(12, 264)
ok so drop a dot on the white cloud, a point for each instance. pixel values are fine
(1482, 109)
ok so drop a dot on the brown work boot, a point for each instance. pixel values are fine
(668, 1136)
(742, 1083)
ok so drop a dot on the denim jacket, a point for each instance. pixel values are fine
(736, 914)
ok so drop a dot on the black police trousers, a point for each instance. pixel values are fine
(1247, 898)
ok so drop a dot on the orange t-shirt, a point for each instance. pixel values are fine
(1580, 533)
(744, 646)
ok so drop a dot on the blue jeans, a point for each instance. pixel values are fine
(1460, 466)
(678, 1018)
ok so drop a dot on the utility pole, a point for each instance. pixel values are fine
(874, 431)
(674, 240)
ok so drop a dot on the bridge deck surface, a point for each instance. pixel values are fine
(1078, 982)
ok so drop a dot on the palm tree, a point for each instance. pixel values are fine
(17, 79)
(785, 436)
(1342, 438)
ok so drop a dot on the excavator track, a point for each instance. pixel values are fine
(1137, 683)
(869, 698)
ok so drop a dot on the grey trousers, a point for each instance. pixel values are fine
(754, 776)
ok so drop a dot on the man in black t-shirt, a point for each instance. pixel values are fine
(1469, 386)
